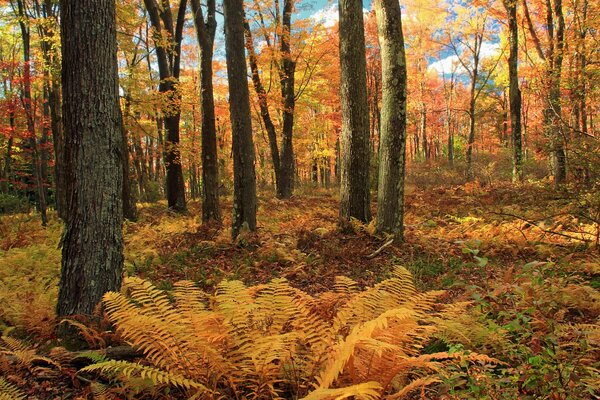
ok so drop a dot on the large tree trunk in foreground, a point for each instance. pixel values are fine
(354, 168)
(244, 175)
(392, 150)
(92, 248)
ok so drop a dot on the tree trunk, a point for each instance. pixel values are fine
(92, 244)
(26, 99)
(287, 78)
(392, 150)
(244, 174)
(354, 162)
(205, 32)
(169, 58)
(129, 207)
(514, 91)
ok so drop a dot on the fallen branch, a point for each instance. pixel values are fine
(379, 250)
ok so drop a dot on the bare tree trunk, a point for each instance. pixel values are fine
(514, 91)
(205, 32)
(392, 150)
(169, 58)
(27, 100)
(244, 174)
(354, 163)
(92, 244)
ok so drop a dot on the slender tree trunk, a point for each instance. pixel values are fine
(287, 80)
(514, 91)
(392, 150)
(205, 32)
(27, 101)
(129, 206)
(169, 58)
(92, 245)
(244, 174)
(264, 108)
(354, 168)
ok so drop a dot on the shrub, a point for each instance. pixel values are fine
(11, 204)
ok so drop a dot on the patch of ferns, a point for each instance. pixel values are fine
(275, 341)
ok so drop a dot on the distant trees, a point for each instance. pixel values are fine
(392, 148)
(92, 243)
(244, 175)
(354, 143)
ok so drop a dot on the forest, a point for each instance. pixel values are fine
(299, 199)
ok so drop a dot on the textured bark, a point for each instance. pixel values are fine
(92, 244)
(392, 150)
(287, 73)
(169, 58)
(244, 175)
(205, 32)
(354, 146)
(514, 91)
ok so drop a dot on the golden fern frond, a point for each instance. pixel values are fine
(135, 370)
(188, 297)
(366, 391)
(345, 285)
(344, 350)
(154, 302)
(8, 391)
(162, 341)
(416, 384)
(274, 307)
(26, 356)
(388, 294)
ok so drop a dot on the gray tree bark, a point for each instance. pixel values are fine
(354, 146)
(92, 244)
(244, 174)
(205, 32)
(514, 91)
(392, 150)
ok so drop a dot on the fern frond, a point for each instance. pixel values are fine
(345, 349)
(8, 391)
(135, 370)
(345, 285)
(366, 391)
(416, 384)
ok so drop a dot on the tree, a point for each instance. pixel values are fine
(467, 44)
(514, 91)
(354, 168)
(92, 244)
(244, 175)
(552, 57)
(283, 160)
(205, 34)
(167, 39)
(392, 148)
(26, 98)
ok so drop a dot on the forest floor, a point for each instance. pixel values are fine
(470, 240)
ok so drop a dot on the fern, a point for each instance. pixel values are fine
(131, 370)
(8, 391)
(275, 341)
